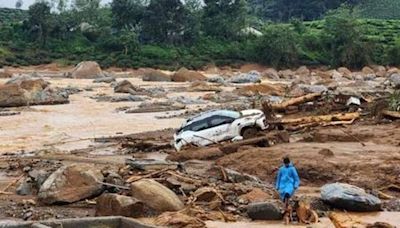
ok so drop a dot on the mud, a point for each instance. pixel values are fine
(365, 153)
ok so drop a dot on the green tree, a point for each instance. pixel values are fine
(379, 9)
(165, 21)
(277, 47)
(39, 21)
(343, 40)
(127, 13)
(224, 18)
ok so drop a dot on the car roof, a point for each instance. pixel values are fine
(203, 115)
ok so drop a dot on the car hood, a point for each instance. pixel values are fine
(251, 112)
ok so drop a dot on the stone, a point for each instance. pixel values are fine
(23, 91)
(39, 177)
(251, 77)
(311, 88)
(216, 79)
(156, 195)
(70, 184)
(178, 219)
(326, 152)
(237, 177)
(345, 72)
(125, 86)
(86, 70)
(185, 75)
(110, 204)
(202, 86)
(108, 79)
(261, 89)
(25, 187)
(5, 74)
(349, 197)
(270, 73)
(256, 195)
(270, 210)
(303, 71)
(395, 80)
(367, 70)
(128, 98)
(391, 71)
(155, 76)
(380, 71)
(286, 74)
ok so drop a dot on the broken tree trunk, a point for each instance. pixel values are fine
(296, 101)
(391, 114)
(320, 119)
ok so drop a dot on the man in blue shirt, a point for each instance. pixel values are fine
(287, 181)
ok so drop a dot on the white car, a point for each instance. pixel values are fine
(219, 125)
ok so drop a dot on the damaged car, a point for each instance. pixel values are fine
(219, 125)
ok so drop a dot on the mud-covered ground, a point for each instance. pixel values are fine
(93, 130)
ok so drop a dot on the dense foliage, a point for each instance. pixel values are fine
(193, 33)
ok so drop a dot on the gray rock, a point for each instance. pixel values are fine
(187, 100)
(108, 79)
(251, 77)
(127, 98)
(237, 177)
(395, 80)
(216, 79)
(25, 187)
(39, 176)
(349, 197)
(313, 88)
(271, 210)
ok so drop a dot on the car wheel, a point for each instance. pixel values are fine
(249, 132)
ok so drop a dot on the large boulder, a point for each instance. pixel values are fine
(271, 210)
(185, 75)
(349, 197)
(270, 73)
(22, 91)
(286, 74)
(303, 71)
(156, 76)
(5, 74)
(126, 86)
(391, 71)
(71, 183)
(251, 77)
(345, 72)
(261, 89)
(156, 195)
(380, 71)
(118, 205)
(87, 70)
(367, 70)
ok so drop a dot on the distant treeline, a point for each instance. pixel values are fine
(194, 33)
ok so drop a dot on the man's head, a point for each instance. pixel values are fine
(286, 161)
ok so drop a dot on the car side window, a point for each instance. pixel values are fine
(219, 120)
(200, 125)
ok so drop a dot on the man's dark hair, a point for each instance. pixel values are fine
(286, 160)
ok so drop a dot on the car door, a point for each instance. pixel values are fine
(217, 130)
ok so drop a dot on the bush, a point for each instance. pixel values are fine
(277, 47)
(343, 40)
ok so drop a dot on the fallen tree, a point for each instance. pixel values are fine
(295, 101)
(320, 119)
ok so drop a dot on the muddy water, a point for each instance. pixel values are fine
(71, 126)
